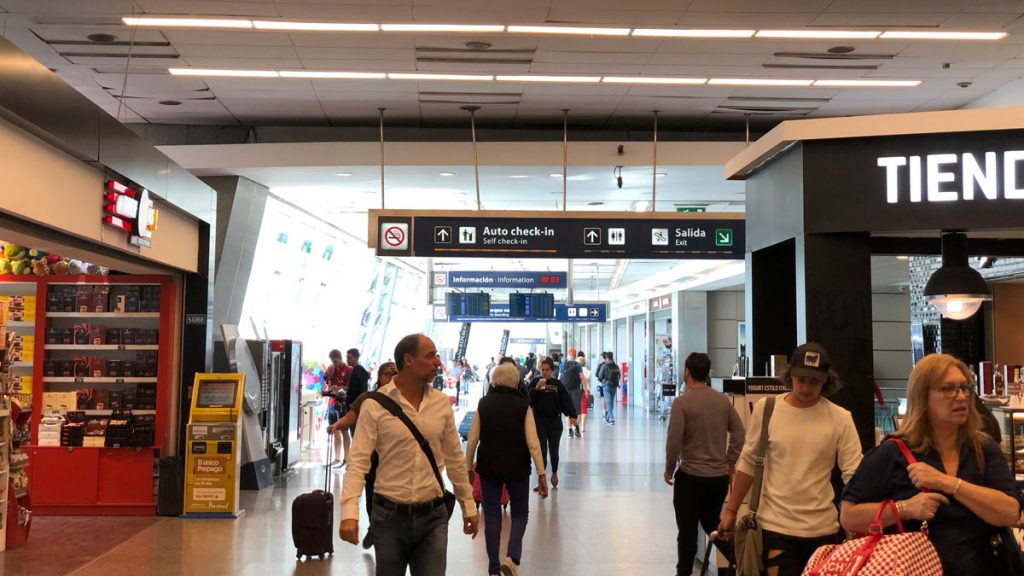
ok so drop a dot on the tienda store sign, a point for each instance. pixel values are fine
(130, 210)
(953, 177)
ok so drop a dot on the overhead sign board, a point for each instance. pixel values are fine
(493, 279)
(588, 235)
(576, 313)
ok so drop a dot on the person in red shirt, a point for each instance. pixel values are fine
(335, 386)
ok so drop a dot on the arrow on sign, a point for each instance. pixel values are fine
(591, 236)
(593, 312)
(442, 234)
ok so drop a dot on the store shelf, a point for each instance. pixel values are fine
(132, 315)
(104, 380)
(21, 325)
(102, 347)
(109, 412)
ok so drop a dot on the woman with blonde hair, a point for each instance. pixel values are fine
(505, 430)
(960, 485)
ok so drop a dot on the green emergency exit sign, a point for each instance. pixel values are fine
(723, 237)
(691, 209)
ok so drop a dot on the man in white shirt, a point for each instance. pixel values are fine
(409, 518)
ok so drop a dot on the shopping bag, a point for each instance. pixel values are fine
(903, 554)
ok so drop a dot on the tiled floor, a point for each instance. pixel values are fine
(611, 515)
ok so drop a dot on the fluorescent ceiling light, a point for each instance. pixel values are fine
(228, 73)
(345, 175)
(441, 28)
(652, 80)
(759, 82)
(315, 26)
(585, 31)
(641, 205)
(188, 22)
(417, 76)
(328, 74)
(869, 83)
(540, 78)
(823, 34)
(446, 173)
(555, 175)
(695, 33)
(898, 35)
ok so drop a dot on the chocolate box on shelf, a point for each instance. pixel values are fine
(97, 335)
(83, 296)
(83, 332)
(100, 298)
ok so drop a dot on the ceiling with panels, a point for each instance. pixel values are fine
(952, 74)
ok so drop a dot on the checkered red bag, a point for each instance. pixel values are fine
(903, 554)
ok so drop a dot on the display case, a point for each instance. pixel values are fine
(98, 385)
(1012, 428)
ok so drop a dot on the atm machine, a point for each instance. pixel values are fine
(257, 470)
(213, 447)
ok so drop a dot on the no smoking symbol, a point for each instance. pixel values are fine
(395, 237)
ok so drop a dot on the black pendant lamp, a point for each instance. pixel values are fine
(956, 289)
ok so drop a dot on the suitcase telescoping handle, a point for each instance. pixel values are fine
(330, 452)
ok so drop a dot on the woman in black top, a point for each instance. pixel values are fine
(550, 400)
(960, 485)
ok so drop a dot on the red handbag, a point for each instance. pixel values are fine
(877, 554)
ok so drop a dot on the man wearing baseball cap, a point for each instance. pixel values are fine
(807, 436)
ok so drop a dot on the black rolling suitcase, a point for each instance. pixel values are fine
(313, 521)
(729, 570)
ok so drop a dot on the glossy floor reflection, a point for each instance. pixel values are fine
(611, 515)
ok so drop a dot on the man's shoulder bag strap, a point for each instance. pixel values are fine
(396, 411)
(759, 454)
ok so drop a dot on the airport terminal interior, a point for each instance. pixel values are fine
(202, 202)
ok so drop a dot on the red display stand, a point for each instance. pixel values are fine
(96, 481)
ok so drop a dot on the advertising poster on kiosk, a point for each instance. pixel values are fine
(212, 465)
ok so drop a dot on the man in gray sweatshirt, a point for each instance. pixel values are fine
(705, 437)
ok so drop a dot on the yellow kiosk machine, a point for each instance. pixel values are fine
(212, 448)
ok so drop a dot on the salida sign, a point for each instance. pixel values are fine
(560, 237)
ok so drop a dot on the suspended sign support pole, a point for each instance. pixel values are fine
(654, 167)
(380, 111)
(565, 195)
(565, 159)
(476, 160)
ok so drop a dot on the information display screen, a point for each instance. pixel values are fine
(541, 305)
(216, 394)
(467, 303)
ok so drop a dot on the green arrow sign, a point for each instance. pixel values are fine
(723, 237)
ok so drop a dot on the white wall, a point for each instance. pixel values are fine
(891, 336)
(725, 311)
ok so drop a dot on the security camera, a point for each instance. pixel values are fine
(621, 150)
(617, 173)
(963, 84)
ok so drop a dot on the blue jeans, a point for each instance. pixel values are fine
(519, 504)
(609, 401)
(419, 542)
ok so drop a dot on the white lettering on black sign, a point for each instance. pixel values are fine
(516, 236)
(927, 183)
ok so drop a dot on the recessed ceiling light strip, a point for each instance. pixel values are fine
(691, 33)
(188, 22)
(570, 30)
(286, 25)
(819, 34)
(528, 78)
